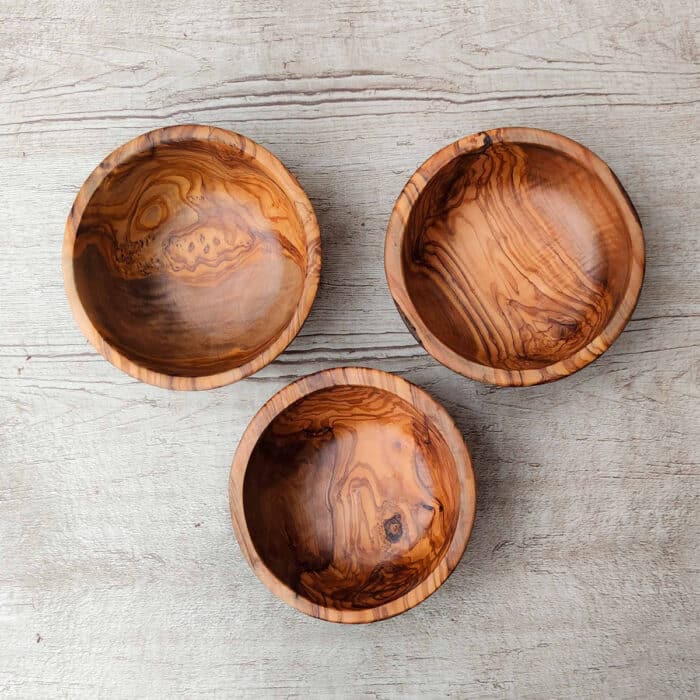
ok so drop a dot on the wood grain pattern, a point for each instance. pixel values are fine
(352, 495)
(116, 545)
(191, 257)
(515, 256)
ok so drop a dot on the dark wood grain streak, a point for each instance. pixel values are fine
(515, 255)
(191, 257)
(352, 495)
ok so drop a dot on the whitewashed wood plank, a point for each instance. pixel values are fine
(119, 574)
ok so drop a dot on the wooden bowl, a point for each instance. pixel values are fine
(515, 256)
(191, 257)
(352, 495)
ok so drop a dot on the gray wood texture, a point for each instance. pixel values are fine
(119, 572)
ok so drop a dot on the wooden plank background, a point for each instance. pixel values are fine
(119, 572)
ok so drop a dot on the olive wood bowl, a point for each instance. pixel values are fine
(515, 256)
(352, 495)
(191, 257)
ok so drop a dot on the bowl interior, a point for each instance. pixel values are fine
(516, 256)
(189, 258)
(351, 497)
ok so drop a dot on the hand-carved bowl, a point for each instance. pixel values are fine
(191, 257)
(352, 495)
(515, 256)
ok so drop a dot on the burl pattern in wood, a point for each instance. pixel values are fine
(192, 257)
(352, 494)
(515, 256)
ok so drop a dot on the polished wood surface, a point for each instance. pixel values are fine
(515, 256)
(352, 495)
(580, 576)
(191, 257)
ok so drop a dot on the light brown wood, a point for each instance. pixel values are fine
(352, 495)
(191, 257)
(515, 256)
(580, 575)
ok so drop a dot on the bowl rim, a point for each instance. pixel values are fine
(421, 401)
(395, 273)
(276, 170)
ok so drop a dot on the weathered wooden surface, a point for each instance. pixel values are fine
(119, 573)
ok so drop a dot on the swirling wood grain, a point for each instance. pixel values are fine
(515, 256)
(352, 494)
(192, 257)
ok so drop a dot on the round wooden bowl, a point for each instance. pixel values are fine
(191, 257)
(352, 495)
(515, 256)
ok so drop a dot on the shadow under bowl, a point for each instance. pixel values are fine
(191, 257)
(515, 256)
(352, 495)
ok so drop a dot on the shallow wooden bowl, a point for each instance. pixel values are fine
(352, 495)
(515, 256)
(191, 257)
